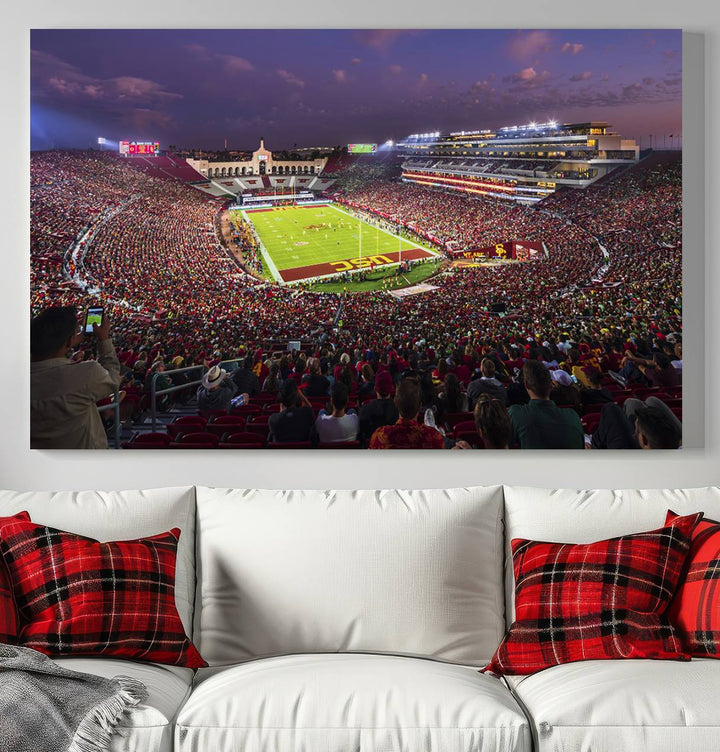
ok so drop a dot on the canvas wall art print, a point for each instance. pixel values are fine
(451, 239)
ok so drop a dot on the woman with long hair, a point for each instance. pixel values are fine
(492, 422)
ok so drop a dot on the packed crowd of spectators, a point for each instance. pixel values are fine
(246, 244)
(611, 280)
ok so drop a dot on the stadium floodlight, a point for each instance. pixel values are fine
(389, 142)
(553, 124)
(533, 126)
(102, 140)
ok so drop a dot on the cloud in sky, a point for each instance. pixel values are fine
(484, 86)
(131, 101)
(54, 78)
(375, 83)
(382, 39)
(528, 77)
(230, 63)
(524, 45)
(235, 64)
(290, 78)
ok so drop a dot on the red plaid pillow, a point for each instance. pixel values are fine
(594, 601)
(695, 610)
(8, 612)
(76, 596)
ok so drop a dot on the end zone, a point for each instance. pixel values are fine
(353, 264)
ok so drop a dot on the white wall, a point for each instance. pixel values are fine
(697, 464)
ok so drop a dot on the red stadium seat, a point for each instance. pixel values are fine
(259, 429)
(246, 410)
(186, 423)
(673, 402)
(472, 437)
(463, 426)
(643, 392)
(451, 419)
(148, 441)
(242, 441)
(290, 445)
(199, 440)
(222, 424)
(262, 398)
(590, 422)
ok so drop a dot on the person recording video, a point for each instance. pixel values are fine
(63, 393)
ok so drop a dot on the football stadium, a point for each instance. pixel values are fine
(365, 295)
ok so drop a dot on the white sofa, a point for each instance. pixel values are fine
(356, 621)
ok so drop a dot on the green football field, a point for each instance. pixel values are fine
(304, 242)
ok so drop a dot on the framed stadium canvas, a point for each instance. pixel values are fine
(419, 238)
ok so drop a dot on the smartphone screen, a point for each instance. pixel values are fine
(94, 316)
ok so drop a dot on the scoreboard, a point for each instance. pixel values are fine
(144, 148)
(362, 148)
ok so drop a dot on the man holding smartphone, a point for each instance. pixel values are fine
(63, 395)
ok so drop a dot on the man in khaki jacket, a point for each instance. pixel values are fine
(63, 394)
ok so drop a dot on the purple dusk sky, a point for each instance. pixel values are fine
(322, 87)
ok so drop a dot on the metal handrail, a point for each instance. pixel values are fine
(115, 405)
(154, 391)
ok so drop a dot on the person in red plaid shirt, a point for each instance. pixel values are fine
(407, 433)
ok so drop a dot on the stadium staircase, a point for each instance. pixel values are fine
(648, 162)
(168, 167)
(612, 175)
(338, 163)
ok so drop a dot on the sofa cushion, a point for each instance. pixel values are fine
(695, 610)
(401, 572)
(337, 703)
(570, 516)
(76, 596)
(121, 515)
(600, 600)
(149, 727)
(608, 706)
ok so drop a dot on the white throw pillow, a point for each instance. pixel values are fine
(398, 572)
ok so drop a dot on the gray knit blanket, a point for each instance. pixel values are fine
(44, 707)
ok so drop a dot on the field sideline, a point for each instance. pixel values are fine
(315, 241)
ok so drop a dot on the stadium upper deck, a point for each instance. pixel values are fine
(523, 163)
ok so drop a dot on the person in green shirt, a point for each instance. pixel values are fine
(541, 424)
